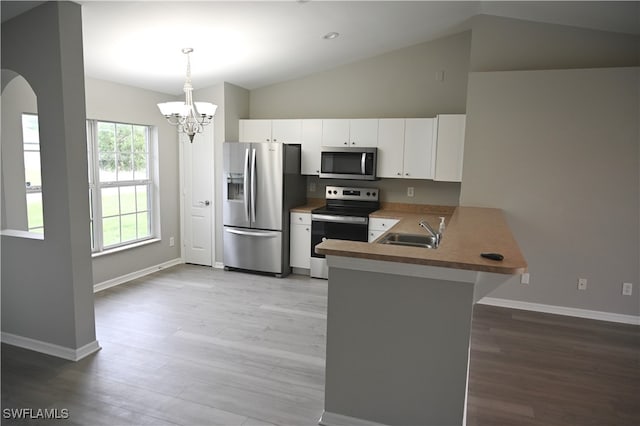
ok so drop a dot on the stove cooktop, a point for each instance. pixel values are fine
(349, 201)
(346, 210)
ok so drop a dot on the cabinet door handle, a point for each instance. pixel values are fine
(346, 143)
(399, 174)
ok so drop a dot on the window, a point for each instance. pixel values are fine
(32, 173)
(120, 184)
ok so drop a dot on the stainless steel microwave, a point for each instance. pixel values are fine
(348, 163)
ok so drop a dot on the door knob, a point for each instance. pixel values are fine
(206, 202)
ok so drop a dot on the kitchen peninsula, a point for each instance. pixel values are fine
(399, 318)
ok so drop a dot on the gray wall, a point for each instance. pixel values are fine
(115, 102)
(558, 151)
(504, 44)
(47, 292)
(546, 148)
(400, 84)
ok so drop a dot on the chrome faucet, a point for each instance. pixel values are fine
(436, 235)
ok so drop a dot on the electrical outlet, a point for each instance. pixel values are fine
(582, 283)
(172, 241)
(627, 289)
(312, 187)
(410, 191)
(524, 278)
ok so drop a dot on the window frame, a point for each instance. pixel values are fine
(32, 189)
(96, 186)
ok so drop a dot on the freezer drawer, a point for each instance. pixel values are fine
(253, 249)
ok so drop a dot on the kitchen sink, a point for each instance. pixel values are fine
(412, 240)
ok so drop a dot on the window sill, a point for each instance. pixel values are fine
(124, 248)
(22, 234)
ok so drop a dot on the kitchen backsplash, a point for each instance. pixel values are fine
(395, 190)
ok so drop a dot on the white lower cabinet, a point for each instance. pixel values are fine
(300, 244)
(378, 226)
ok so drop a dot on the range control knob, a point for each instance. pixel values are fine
(368, 194)
(373, 193)
(335, 192)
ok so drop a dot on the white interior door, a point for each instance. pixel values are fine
(197, 202)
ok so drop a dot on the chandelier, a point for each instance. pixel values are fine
(190, 117)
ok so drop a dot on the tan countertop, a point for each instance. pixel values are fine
(469, 232)
(312, 203)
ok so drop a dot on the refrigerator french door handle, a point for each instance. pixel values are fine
(245, 194)
(363, 163)
(262, 234)
(253, 185)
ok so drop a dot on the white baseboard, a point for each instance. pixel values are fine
(49, 348)
(301, 271)
(561, 310)
(137, 274)
(332, 419)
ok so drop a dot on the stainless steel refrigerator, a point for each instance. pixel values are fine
(261, 183)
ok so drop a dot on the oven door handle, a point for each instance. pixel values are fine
(339, 219)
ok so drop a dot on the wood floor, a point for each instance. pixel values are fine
(196, 346)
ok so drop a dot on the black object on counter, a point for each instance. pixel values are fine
(492, 256)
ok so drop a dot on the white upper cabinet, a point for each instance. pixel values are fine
(449, 130)
(405, 148)
(255, 130)
(311, 142)
(410, 148)
(335, 132)
(355, 132)
(363, 132)
(391, 148)
(418, 148)
(289, 131)
(277, 131)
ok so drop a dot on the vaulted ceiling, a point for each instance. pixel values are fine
(253, 44)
